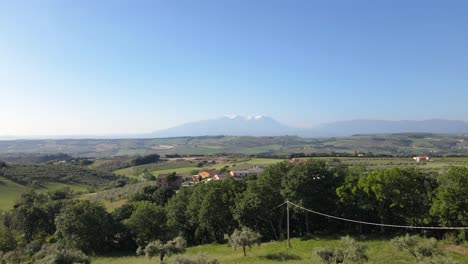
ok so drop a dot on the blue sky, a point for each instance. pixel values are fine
(113, 67)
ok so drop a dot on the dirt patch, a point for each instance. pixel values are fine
(458, 249)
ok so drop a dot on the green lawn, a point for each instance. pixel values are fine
(380, 251)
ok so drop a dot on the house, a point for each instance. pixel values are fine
(188, 184)
(196, 178)
(422, 158)
(220, 176)
(245, 173)
(295, 160)
(208, 173)
(170, 181)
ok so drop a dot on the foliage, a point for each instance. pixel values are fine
(451, 203)
(84, 225)
(348, 251)
(56, 254)
(56, 172)
(200, 259)
(155, 248)
(154, 194)
(141, 160)
(245, 237)
(148, 222)
(416, 246)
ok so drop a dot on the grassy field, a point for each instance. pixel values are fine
(436, 164)
(302, 252)
(10, 191)
(185, 167)
(395, 144)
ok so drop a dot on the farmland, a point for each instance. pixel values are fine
(393, 144)
(437, 164)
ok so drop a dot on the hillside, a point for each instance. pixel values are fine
(394, 144)
(380, 252)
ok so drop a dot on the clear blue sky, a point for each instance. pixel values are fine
(109, 67)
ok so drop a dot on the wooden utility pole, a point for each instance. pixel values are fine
(287, 221)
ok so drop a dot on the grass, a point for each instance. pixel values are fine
(10, 191)
(185, 167)
(302, 251)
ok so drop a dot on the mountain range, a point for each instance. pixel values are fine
(267, 126)
(260, 125)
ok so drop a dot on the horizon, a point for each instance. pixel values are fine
(120, 68)
(150, 134)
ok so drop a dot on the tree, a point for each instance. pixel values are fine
(396, 196)
(313, 184)
(451, 203)
(148, 222)
(84, 225)
(255, 207)
(245, 237)
(141, 160)
(154, 248)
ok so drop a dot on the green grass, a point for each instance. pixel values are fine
(185, 167)
(10, 191)
(380, 251)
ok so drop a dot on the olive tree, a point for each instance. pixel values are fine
(245, 237)
(155, 248)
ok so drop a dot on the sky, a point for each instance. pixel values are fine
(124, 67)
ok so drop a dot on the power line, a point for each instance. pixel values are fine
(375, 224)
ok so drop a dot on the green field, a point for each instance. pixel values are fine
(379, 252)
(436, 164)
(185, 167)
(10, 191)
(394, 144)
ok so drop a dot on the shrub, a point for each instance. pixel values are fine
(200, 259)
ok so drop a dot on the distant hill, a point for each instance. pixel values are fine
(229, 125)
(267, 126)
(348, 128)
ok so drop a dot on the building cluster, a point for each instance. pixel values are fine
(205, 176)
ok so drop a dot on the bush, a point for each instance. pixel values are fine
(200, 259)
(416, 246)
(53, 254)
(350, 251)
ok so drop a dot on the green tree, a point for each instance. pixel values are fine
(245, 237)
(84, 225)
(148, 222)
(256, 207)
(451, 203)
(178, 217)
(395, 196)
(313, 184)
(155, 248)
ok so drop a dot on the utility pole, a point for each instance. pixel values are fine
(287, 221)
